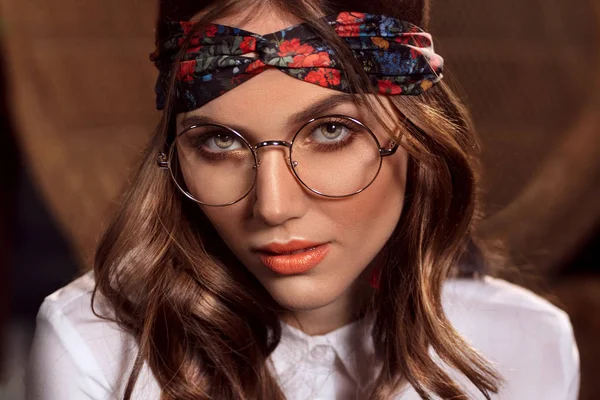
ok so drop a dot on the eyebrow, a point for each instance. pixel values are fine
(314, 110)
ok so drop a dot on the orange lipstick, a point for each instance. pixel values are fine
(294, 257)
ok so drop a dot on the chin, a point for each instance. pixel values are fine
(301, 293)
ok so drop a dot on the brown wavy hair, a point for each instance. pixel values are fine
(206, 326)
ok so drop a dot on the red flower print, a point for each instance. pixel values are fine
(388, 87)
(404, 39)
(333, 77)
(293, 47)
(348, 24)
(317, 77)
(325, 77)
(187, 27)
(210, 30)
(186, 71)
(321, 59)
(248, 44)
(255, 67)
(193, 48)
(350, 17)
(347, 30)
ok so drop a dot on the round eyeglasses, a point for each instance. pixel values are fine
(333, 156)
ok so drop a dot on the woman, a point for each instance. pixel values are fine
(300, 228)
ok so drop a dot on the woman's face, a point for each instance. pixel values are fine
(280, 210)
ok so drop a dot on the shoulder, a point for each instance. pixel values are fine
(493, 296)
(529, 340)
(72, 300)
(476, 305)
(75, 352)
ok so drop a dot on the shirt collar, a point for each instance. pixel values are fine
(352, 343)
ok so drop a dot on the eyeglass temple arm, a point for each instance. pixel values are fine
(395, 143)
(162, 161)
(384, 152)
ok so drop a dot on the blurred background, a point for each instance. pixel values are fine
(77, 105)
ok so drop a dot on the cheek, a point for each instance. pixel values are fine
(374, 213)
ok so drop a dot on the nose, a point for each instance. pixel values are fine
(278, 196)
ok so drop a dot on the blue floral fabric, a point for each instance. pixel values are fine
(397, 56)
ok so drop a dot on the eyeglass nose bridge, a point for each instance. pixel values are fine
(282, 143)
(272, 143)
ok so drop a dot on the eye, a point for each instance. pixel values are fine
(218, 142)
(330, 132)
(223, 141)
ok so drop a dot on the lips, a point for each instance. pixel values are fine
(294, 257)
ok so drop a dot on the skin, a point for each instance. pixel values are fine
(280, 209)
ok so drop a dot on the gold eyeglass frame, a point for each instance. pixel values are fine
(164, 160)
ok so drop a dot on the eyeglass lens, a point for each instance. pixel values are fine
(332, 156)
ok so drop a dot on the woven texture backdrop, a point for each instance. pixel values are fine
(82, 87)
(82, 103)
(530, 71)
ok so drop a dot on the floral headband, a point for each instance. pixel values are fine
(397, 56)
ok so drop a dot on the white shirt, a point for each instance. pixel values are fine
(75, 355)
